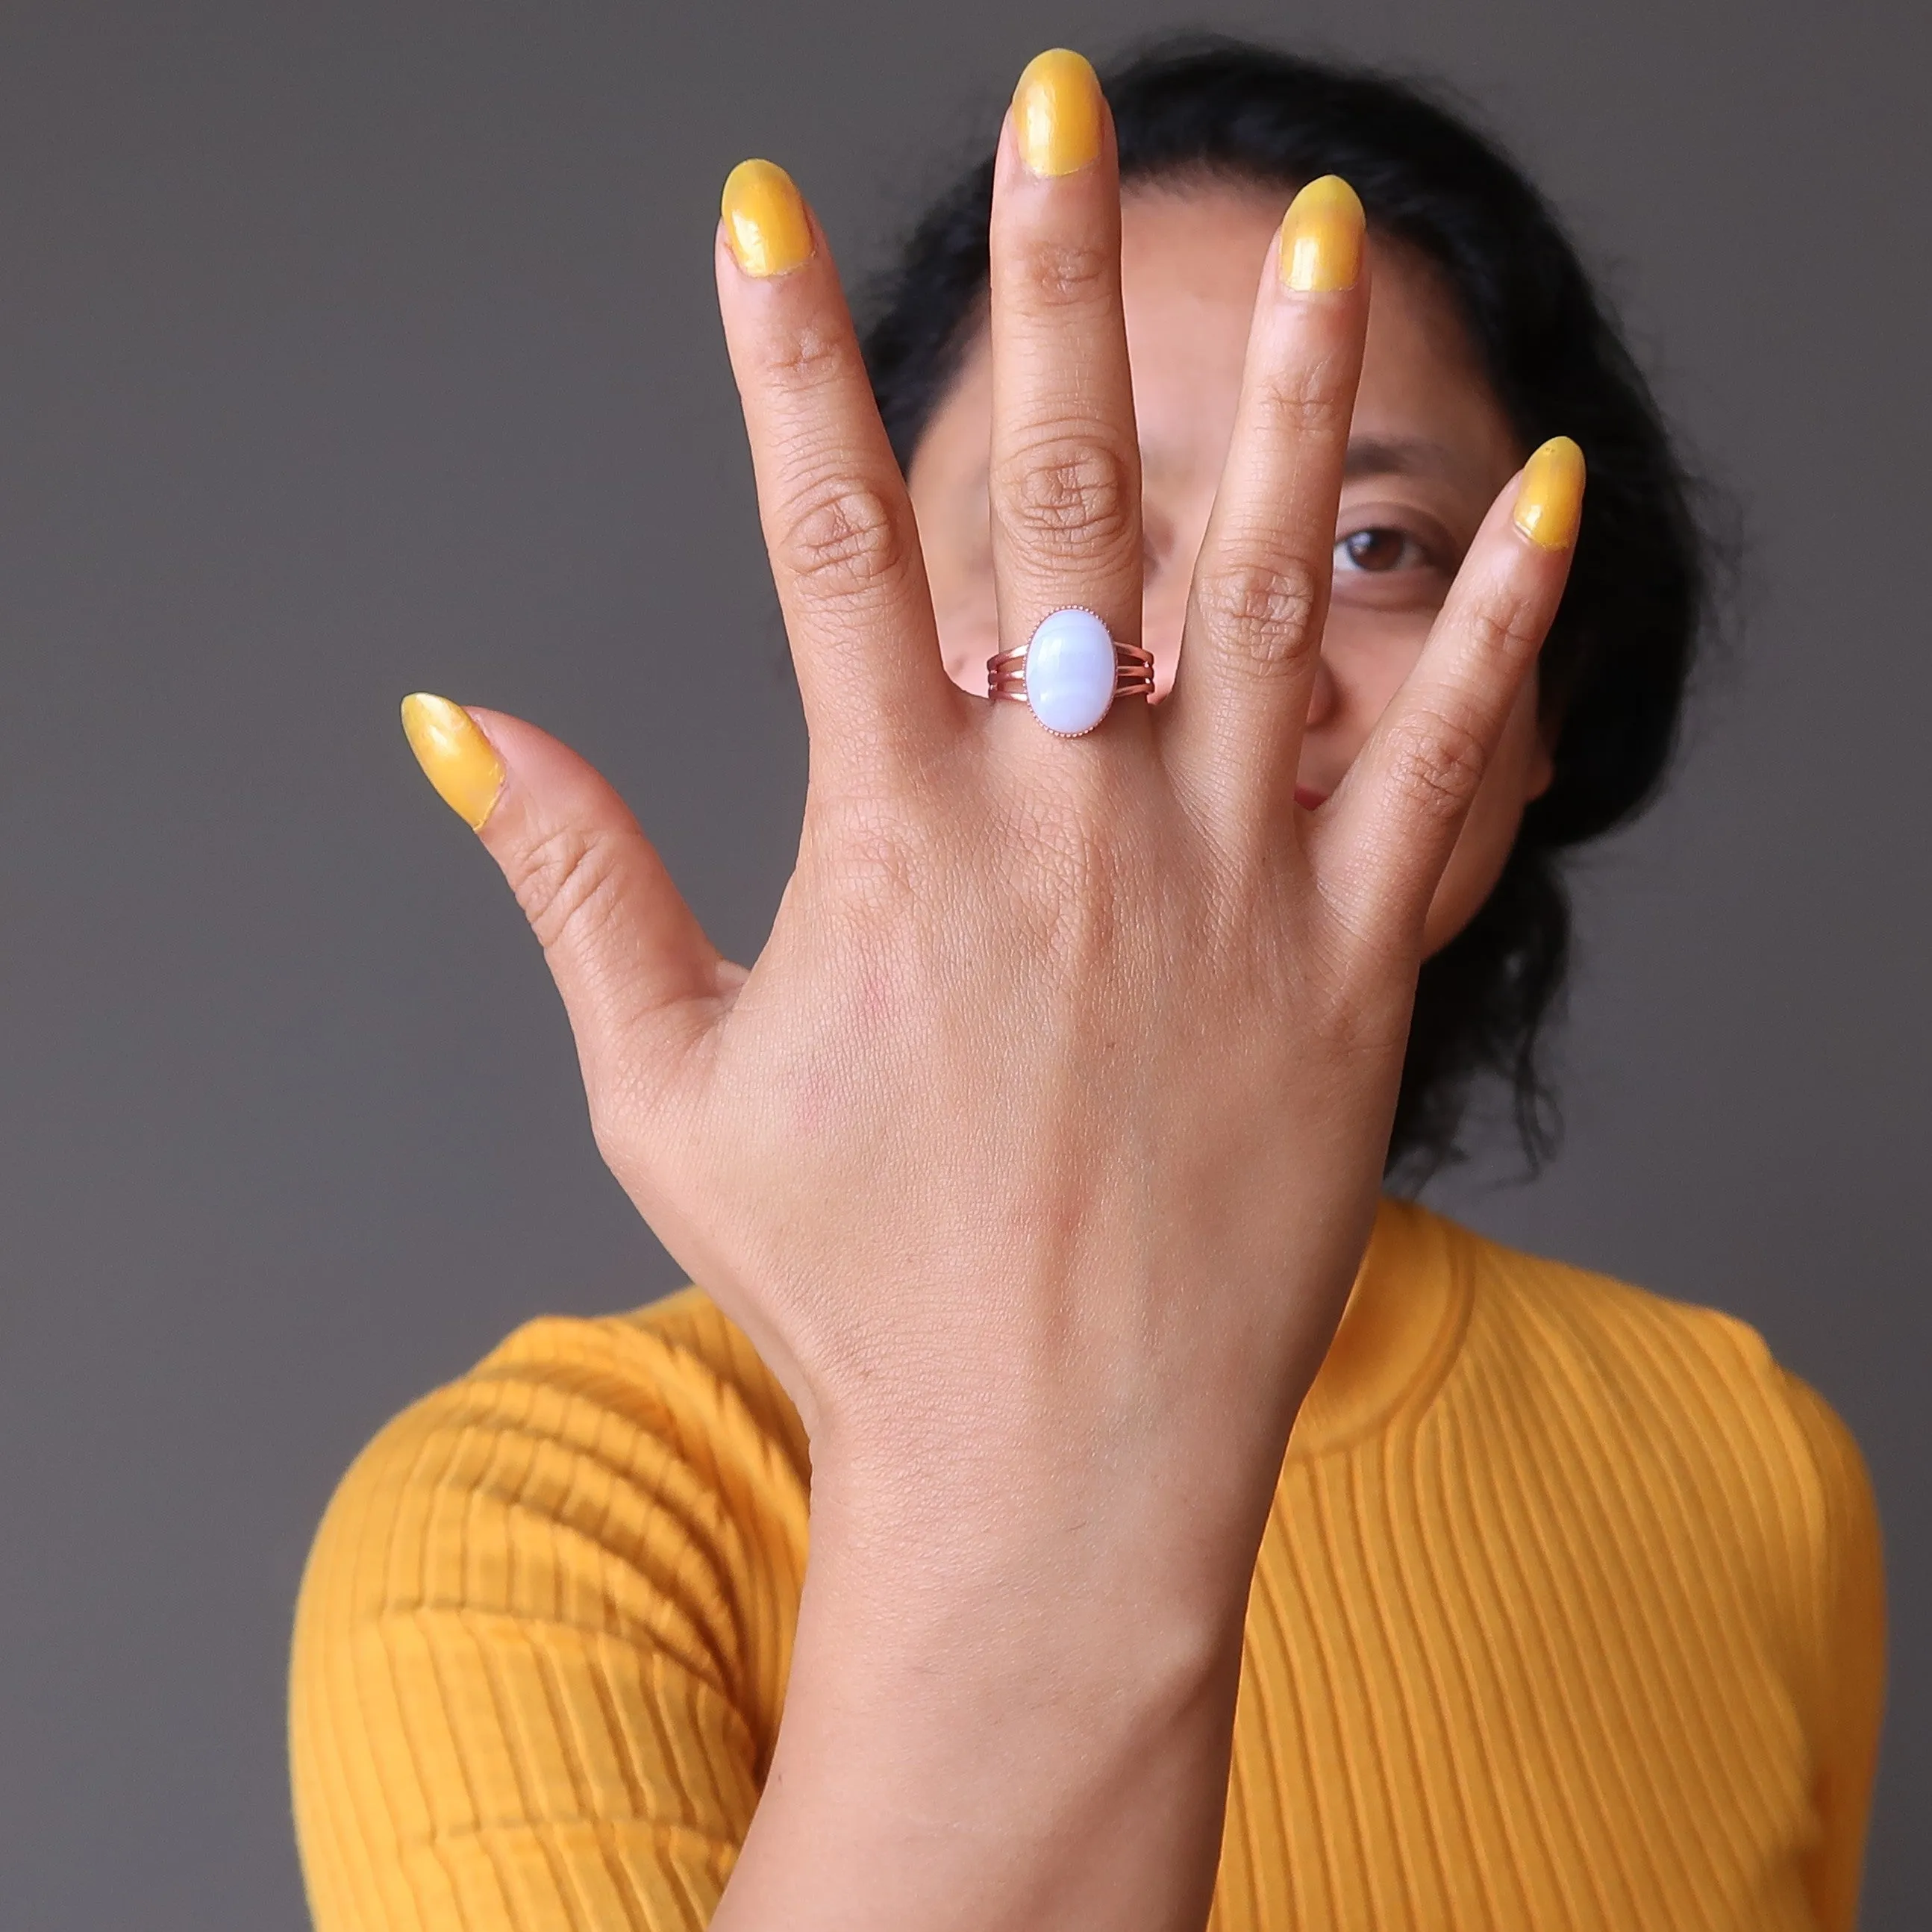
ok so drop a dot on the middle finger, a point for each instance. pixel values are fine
(1065, 475)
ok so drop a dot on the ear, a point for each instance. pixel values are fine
(1542, 772)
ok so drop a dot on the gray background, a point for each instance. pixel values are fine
(348, 348)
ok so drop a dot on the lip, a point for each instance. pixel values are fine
(1308, 799)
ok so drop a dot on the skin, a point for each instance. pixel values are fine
(1430, 449)
(1037, 1151)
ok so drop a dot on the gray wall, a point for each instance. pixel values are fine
(349, 348)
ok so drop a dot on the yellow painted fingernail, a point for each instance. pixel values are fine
(1321, 238)
(1057, 113)
(1550, 501)
(455, 756)
(765, 219)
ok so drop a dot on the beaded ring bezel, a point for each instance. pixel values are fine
(1133, 671)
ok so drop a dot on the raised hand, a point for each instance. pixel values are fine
(1037, 1150)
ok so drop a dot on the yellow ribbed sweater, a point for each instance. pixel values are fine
(1568, 1614)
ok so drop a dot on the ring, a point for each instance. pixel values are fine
(1070, 672)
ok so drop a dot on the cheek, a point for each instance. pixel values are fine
(1517, 773)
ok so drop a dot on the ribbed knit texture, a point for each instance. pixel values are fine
(1569, 1614)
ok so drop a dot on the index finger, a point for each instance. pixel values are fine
(1260, 593)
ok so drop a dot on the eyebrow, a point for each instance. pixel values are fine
(1401, 456)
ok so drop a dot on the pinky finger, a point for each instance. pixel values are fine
(1383, 841)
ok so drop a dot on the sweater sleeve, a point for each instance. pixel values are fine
(541, 1646)
(1851, 1674)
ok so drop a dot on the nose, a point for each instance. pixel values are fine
(1324, 695)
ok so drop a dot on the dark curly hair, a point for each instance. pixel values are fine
(1614, 668)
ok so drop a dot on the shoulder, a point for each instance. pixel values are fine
(1681, 1412)
(675, 1380)
(1665, 1366)
(546, 1626)
(645, 1466)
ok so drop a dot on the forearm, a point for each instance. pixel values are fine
(1012, 1727)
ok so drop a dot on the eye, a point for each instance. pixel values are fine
(1379, 549)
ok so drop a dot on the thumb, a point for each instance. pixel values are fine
(629, 956)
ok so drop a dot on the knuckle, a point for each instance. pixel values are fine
(1307, 400)
(1060, 272)
(568, 884)
(1261, 615)
(1075, 499)
(1065, 905)
(1070, 885)
(881, 856)
(1504, 635)
(1436, 763)
(804, 359)
(840, 540)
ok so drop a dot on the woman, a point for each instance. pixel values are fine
(1033, 1169)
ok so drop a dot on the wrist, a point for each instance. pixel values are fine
(983, 1742)
(1089, 1590)
(1013, 1687)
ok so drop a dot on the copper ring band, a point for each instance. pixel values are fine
(1133, 672)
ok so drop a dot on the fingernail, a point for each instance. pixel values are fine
(455, 756)
(1321, 238)
(765, 219)
(1057, 113)
(1550, 501)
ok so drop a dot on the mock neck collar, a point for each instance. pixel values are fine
(1401, 1329)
